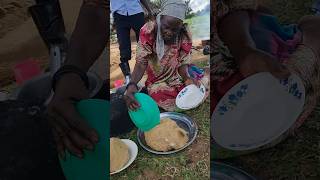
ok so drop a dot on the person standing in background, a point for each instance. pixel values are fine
(128, 14)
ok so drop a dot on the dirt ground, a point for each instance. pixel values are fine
(191, 163)
(12, 14)
(19, 38)
(197, 159)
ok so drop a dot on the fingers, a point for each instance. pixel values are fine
(73, 149)
(80, 141)
(134, 104)
(73, 118)
(192, 81)
(58, 123)
(197, 83)
(131, 102)
(70, 130)
(62, 130)
(63, 142)
(59, 145)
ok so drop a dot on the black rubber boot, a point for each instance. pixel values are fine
(49, 21)
(125, 68)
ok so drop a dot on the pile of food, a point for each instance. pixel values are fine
(166, 136)
(119, 154)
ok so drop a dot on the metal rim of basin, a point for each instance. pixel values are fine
(236, 173)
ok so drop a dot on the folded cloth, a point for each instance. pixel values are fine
(195, 72)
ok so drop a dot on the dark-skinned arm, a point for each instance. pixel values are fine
(137, 75)
(182, 70)
(88, 40)
(234, 31)
(138, 72)
(238, 40)
(89, 37)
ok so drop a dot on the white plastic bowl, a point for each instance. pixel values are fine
(133, 152)
(257, 111)
(190, 97)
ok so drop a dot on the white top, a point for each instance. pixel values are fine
(126, 7)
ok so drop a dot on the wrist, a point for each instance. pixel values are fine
(132, 84)
(81, 67)
(69, 80)
(72, 72)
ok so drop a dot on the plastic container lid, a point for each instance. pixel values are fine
(148, 115)
(190, 97)
(94, 165)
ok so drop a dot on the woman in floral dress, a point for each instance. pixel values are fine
(164, 53)
(261, 44)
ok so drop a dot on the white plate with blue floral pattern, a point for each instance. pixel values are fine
(190, 97)
(256, 111)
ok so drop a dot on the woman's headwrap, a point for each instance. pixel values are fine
(173, 8)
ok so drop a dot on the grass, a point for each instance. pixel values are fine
(171, 166)
(191, 163)
(297, 157)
